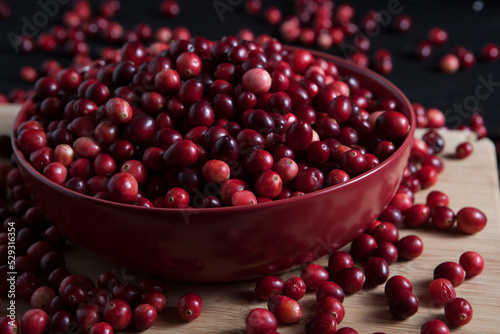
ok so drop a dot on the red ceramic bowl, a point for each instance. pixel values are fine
(230, 243)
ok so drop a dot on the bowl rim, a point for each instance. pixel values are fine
(379, 79)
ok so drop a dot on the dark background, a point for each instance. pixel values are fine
(419, 79)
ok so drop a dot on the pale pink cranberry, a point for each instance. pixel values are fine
(257, 81)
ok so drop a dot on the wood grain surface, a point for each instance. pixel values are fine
(469, 182)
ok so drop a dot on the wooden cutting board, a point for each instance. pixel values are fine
(469, 182)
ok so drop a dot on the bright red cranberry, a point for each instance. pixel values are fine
(391, 125)
(442, 217)
(451, 271)
(472, 263)
(55, 172)
(331, 306)
(101, 328)
(177, 198)
(351, 279)
(329, 289)
(286, 310)
(410, 247)
(123, 187)
(441, 290)
(434, 327)
(295, 288)
(188, 64)
(436, 198)
(346, 330)
(189, 306)
(287, 169)
(144, 317)
(118, 110)
(268, 286)
(417, 216)
(395, 284)
(314, 275)
(309, 180)
(118, 314)
(403, 304)
(216, 171)
(470, 220)
(463, 150)
(385, 231)
(338, 261)
(260, 321)
(458, 311)
(363, 246)
(387, 251)
(35, 321)
(321, 323)
(243, 197)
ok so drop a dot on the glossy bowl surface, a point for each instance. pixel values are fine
(230, 243)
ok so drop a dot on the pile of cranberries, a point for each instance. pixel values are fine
(232, 122)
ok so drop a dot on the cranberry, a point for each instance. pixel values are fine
(189, 306)
(331, 306)
(470, 220)
(87, 315)
(410, 247)
(101, 328)
(257, 81)
(123, 187)
(351, 279)
(391, 125)
(338, 261)
(260, 321)
(75, 293)
(434, 327)
(463, 150)
(309, 180)
(314, 275)
(436, 198)
(449, 63)
(295, 288)
(155, 299)
(61, 322)
(490, 52)
(268, 286)
(118, 314)
(329, 289)
(396, 284)
(402, 23)
(363, 246)
(41, 298)
(34, 321)
(437, 36)
(376, 271)
(285, 309)
(442, 217)
(243, 197)
(403, 304)
(144, 316)
(418, 215)
(458, 311)
(441, 290)
(424, 49)
(451, 271)
(26, 284)
(472, 263)
(321, 323)
(387, 251)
